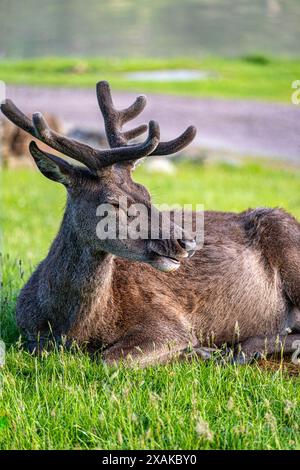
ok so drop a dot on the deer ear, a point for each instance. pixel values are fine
(52, 167)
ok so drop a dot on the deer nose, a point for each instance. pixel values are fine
(187, 245)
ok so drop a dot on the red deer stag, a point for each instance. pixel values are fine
(15, 143)
(126, 297)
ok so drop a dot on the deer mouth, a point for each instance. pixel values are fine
(165, 264)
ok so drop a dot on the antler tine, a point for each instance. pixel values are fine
(114, 118)
(133, 110)
(10, 110)
(173, 146)
(39, 129)
(135, 132)
(133, 152)
(70, 147)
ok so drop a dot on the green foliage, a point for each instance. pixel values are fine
(259, 59)
(67, 400)
(228, 78)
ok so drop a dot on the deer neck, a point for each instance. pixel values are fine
(77, 279)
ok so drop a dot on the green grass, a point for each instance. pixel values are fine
(252, 77)
(66, 400)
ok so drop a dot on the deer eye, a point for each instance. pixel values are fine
(114, 204)
(112, 201)
(117, 205)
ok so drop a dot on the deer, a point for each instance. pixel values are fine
(15, 143)
(150, 301)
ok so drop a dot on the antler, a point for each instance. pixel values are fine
(92, 158)
(114, 120)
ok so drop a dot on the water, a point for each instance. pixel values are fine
(167, 75)
(169, 28)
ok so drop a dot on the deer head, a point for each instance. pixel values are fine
(105, 178)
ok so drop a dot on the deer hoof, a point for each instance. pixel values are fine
(239, 358)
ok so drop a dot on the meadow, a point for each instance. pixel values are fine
(66, 400)
(255, 77)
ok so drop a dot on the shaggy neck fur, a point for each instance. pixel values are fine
(75, 281)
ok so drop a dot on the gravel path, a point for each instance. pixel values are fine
(243, 127)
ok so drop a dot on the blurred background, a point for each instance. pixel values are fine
(157, 28)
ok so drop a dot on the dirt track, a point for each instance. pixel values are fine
(243, 127)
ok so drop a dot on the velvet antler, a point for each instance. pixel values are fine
(120, 150)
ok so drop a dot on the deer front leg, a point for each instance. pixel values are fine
(152, 344)
(37, 344)
(258, 347)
